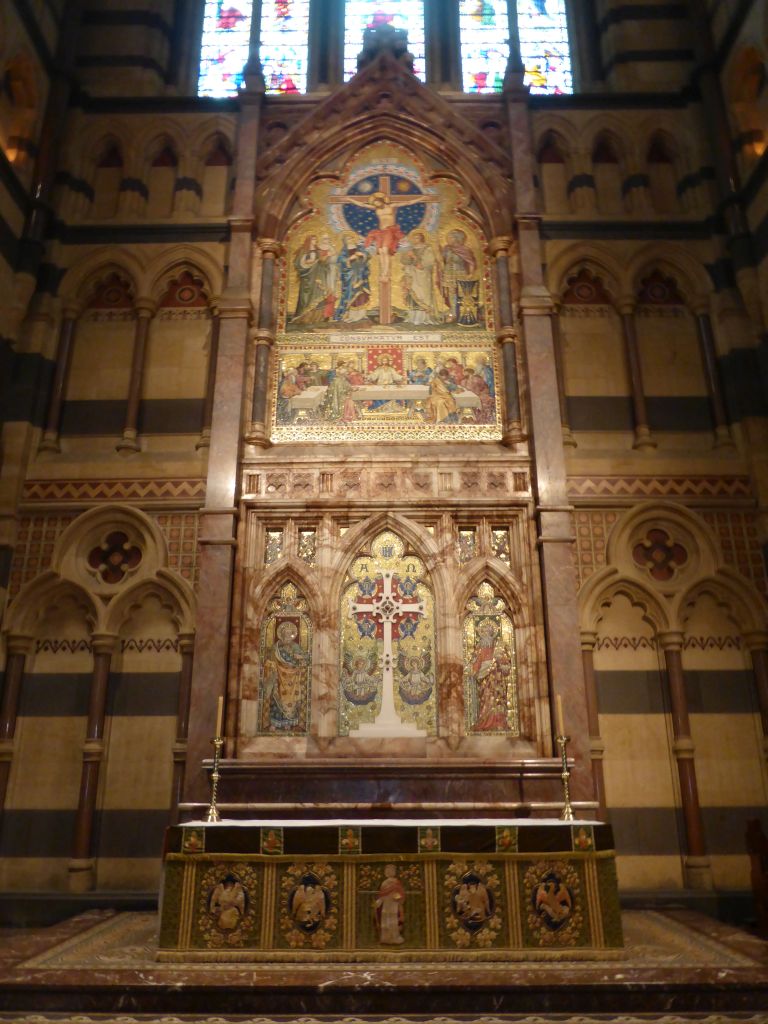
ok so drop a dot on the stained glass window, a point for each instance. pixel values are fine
(484, 30)
(543, 29)
(284, 44)
(224, 50)
(363, 14)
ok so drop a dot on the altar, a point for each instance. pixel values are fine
(344, 890)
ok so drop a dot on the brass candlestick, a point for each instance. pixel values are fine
(567, 812)
(213, 814)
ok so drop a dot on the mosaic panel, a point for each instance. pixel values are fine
(387, 669)
(285, 650)
(490, 675)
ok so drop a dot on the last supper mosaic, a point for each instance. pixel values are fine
(385, 311)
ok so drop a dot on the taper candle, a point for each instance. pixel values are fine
(559, 715)
(219, 716)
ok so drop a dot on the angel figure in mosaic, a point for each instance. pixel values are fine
(360, 676)
(415, 680)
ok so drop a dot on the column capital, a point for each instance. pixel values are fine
(103, 643)
(700, 305)
(626, 305)
(670, 640)
(270, 248)
(588, 640)
(500, 245)
(19, 643)
(262, 336)
(757, 640)
(145, 308)
(507, 336)
(186, 642)
(71, 310)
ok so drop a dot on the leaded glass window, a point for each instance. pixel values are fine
(543, 29)
(224, 50)
(363, 14)
(284, 44)
(484, 28)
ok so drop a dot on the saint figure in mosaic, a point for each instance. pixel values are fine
(490, 689)
(285, 654)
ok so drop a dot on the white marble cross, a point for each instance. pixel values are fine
(387, 607)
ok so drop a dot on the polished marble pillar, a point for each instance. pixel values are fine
(186, 649)
(213, 353)
(723, 437)
(17, 650)
(697, 871)
(129, 442)
(50, 438)
(553, 512)
(643, 439)
(82, 865)
(219, 517)
(596, 745)
(507, 338)
(258, 433)
(568, 439)
(757, 645)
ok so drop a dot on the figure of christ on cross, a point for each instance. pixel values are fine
(388, 608)
(386, 237)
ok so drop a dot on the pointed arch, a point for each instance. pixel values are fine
(173, 592)
(288, 569)
(599, 260)
(744, 604)
(168, 264)
(70, 548)
(405, 113)
(29, 605)
(503, 580)
(603, 587)
(77, 281)
(691, 276)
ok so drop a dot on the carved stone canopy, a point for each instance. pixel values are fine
(385, 38)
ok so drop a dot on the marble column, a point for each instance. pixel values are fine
(213, 351)
(757, 644)
(219, 517)
(145, 310)
(568, 439)
(643, 439)
(82, 865)
(50, 439)
(596, 745)
(723, 437)
(186, 649)
(506, 337)
(265, 337)
(553, 513)
(17, 648)
(696, 866)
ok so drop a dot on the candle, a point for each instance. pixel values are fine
(559, 715)
(219, 717)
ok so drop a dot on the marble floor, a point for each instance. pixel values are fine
(100, 967)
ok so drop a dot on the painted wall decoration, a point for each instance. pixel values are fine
(490, 675)
(385, 311)
(387, 670)
(276, 683)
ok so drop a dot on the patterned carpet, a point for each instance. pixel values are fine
(128, 941)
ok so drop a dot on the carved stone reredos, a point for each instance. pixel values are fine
(385, 101)
(382, 38)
